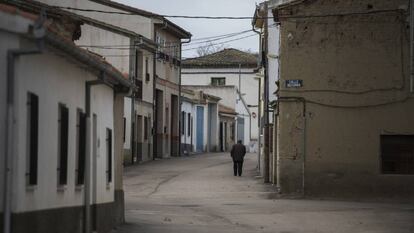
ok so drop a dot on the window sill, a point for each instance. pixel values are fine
(79, 188)
(108, 186)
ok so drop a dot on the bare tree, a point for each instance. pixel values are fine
(209, 49)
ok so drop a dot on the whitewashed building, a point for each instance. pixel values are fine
(64, 123)
(150, 55)
(230, 98)
(229, 74)
(200, 122)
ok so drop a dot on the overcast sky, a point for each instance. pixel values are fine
(201, 28)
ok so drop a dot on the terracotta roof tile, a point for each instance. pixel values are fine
(227, 58)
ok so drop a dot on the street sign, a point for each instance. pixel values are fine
(296, 83)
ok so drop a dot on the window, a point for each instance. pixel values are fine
(108, 155)
(63, 132)
(81, 131)
(158, 41)
(397, 154)
(182, 123)
(145, 128)
(124, 129)
(138, 94)
(32, 138)
(189, 124)
(218, 81)
(147, 74)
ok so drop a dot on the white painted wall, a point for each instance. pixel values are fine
(229, 97)
(119, 58)
(66, 87)
(273, 55)
(135, 23)
(188, 107)
(249, 87)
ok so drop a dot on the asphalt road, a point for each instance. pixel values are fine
(200, 194)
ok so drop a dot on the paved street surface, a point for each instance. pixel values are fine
(200, 194)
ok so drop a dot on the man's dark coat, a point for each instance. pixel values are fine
(237, 152)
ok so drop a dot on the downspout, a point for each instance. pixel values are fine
(259, 151)
(412, 45)
(87, 195)
(132, 70)
(12, 55)
(259, 115)
(154, 102)
(180, 122)
(266, 104)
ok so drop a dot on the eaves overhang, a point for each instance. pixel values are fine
(52, 12)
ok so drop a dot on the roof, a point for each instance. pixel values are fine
(56, 38)
(172, 27)
(226, 58)
(260, 11)
(36, 7)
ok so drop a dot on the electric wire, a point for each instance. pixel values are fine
(228, 17)
(188, 49)
(237, 39)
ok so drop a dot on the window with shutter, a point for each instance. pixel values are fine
(63, 144)
(109, 155)
(32, 138)
(81, 148)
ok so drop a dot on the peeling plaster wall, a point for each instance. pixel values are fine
(355, 72)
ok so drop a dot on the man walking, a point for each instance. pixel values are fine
(238, 151)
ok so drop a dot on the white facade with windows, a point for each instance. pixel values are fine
(51, 137)
(233, 69)
(200, 122)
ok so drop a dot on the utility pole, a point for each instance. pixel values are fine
(266, 101)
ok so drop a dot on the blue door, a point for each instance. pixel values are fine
(200, 128)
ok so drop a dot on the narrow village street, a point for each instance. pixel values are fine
(200, 194)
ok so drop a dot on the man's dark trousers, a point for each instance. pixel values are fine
(238, 167)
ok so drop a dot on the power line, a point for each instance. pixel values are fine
(212, 37)
(237, 39)
(241, 38)
(165, 16)
(229, 17)
(127, 47)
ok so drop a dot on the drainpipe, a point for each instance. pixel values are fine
(259, 117)
(87, 195)
(412, 45)
(180, 122)
(12, 55)
(266, 103)
(259, 152)
(132, 75)
(154, 102)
